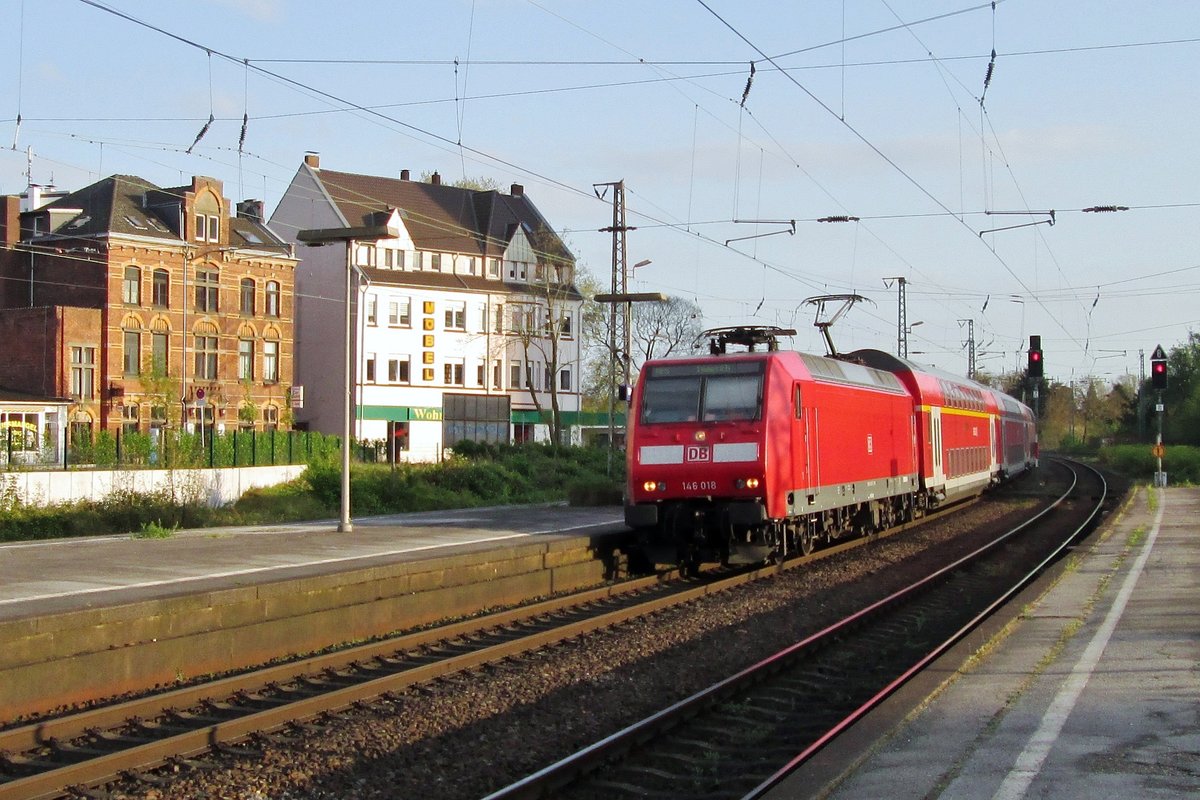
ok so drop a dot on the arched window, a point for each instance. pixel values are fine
(247, 295)
(272, 299)
(131, 287)
(162, 288)
(132, 341)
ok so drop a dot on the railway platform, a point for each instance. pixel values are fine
(60, 575)
(1090, 691)
(91, 618)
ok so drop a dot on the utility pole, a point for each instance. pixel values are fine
(902, 316)
(970, 346)
(620, 286)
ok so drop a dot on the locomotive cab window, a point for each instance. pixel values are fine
(707, 392)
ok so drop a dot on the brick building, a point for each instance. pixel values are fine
(146, 306)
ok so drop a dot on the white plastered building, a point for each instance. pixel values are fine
(464, 324)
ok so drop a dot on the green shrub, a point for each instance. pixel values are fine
(1181, 462)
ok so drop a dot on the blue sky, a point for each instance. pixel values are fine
(859, 108)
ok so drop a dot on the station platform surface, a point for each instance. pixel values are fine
(1092, 692)
(55, 576)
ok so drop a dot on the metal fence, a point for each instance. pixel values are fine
(167, 449)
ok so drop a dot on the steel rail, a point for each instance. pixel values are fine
(548, 780)
(858, 713)
(102, 768)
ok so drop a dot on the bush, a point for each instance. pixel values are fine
(485, 474)
(1181, 462)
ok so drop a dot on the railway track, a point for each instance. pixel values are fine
(743, 735)
(75, 754)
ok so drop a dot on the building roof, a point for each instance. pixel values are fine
(132, 206)
(442, 218)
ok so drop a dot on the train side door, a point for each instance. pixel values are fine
(935, 440)
(801, 436)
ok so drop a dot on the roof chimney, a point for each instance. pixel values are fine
(435, 179)
(404, 174)
(312, 159)
(517, 190)
(251, 210)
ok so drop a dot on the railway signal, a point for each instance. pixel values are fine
(1158, 369)
(1035, 356)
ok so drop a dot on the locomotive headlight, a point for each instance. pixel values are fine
(746, 483)
(654, 486)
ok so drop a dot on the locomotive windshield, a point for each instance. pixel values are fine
(702, 392)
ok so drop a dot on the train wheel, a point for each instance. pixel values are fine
(807, 540)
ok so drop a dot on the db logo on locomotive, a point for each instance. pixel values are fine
(697, 452)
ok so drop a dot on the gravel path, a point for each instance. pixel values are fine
(468, 735)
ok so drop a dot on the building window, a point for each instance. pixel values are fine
(271, 362)
(83, 372)
(456, 316)
(369, 369)
(398, 370)
(272, 298)
(131, 288)
(158, 418)
(129, 419)
(207, 290)
(481, 373)
(159, 359)
(453, 371)
(564, 380)
(245, 359)
(499, 318)
(493, 269)
(270, 418)
(206, 357)
(514, 375)
(565, 325)
(497, 372)
(201, 232)
(162, 288)
(435, 262)
(372, 309)
(214, 229)
(247, 295)
(133, 352)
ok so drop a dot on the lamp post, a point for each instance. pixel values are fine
(628, 298)
(381, 225)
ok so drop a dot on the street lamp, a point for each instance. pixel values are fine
(628, 299)
(380, 225)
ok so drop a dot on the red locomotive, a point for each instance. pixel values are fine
(761, 453)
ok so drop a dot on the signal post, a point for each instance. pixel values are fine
(1158, 380)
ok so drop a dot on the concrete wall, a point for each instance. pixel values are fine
(214, 487)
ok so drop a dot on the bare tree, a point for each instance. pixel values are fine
(543, 323)
(661, 330)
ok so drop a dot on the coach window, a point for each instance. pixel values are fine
(798, 409)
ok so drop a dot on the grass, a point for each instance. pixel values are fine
(155, 530)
